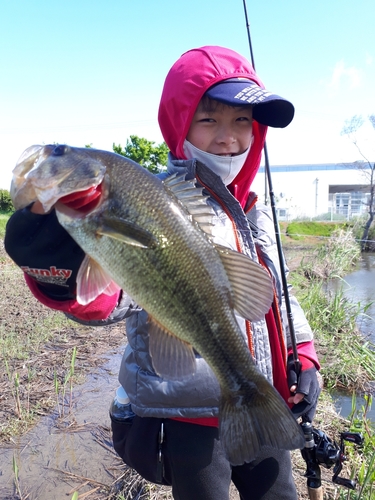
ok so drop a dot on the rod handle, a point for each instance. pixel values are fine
(315, 493)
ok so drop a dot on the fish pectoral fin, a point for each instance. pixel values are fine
(92, 281)
(125, 231)
(172, 358)
(251, 284)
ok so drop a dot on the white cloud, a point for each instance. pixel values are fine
(342, 73)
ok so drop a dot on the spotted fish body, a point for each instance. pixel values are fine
(151, 238)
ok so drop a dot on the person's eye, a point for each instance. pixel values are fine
(243, 119)
(206, 120)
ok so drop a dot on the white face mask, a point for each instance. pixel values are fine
(227, 167)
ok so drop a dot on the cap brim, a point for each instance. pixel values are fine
(268, 109)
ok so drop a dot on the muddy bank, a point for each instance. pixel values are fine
(64, 454)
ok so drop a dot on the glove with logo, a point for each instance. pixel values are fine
(44, 250)
(306, 387)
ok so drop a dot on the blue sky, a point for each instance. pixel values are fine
(80, 72)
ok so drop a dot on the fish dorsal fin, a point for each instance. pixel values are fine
(125, 231)
(172, 358)
(251, 284)
(92, 281)
(192, 198)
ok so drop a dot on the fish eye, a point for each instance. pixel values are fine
(60, 149)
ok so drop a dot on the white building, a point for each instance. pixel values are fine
(332, 190)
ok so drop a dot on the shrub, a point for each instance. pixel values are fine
(333, 259)
(6, 204)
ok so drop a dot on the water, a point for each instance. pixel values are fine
(58, 454)
(343, 405)
(359, 287)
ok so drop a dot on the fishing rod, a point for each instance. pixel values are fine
(319, 449)
(297, 363)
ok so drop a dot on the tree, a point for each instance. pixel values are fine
(6, 204)
(351, 129)
(144, 152)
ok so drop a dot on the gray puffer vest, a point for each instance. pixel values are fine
(198, 395)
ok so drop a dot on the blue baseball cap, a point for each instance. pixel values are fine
(268, 109)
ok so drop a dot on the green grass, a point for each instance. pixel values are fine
(17, 342)
(4, 216)
(361, 459)
(310, 228)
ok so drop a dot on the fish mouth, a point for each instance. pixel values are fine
(76, 206)
(50, 195)
(46, 174)
(84, 200)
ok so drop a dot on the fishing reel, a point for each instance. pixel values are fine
(321, 450)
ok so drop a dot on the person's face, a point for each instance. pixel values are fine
(220, 129)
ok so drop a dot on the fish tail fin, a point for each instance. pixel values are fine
(248, 424)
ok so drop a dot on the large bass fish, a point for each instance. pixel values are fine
(152, 239)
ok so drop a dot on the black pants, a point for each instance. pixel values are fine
(194, 464)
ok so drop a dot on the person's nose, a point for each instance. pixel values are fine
(225, 135)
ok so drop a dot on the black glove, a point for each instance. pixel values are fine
(42, 248)
(308, 382)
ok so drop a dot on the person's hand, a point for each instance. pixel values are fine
(305, 387)
(37, 208)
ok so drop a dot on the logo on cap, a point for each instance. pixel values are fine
(252, 94)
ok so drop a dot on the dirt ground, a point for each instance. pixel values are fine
(21, 312)
(37, 371)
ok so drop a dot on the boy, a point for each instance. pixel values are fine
(213, 108)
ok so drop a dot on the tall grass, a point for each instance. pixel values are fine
(333, 259)
(361, 460)
(347, 358)
(60, 389)
(348, 361)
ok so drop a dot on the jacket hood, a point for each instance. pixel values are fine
(188, 79)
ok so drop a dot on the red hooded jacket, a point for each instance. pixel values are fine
(188, 79)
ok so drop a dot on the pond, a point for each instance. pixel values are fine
(359, 287)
